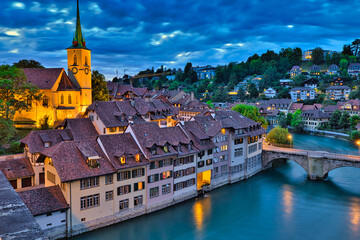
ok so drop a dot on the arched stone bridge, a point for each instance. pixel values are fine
(316, 164)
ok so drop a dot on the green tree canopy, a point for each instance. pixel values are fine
(343, 64)
(278, 135)
(335, 119)
(355, 135)
(354, 120)
(318, 56)
(345, 120)
(28, 64)
(296, 121)
(99, 88)
(251, 112)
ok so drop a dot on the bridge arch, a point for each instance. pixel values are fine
(339, 164)
(270, 157)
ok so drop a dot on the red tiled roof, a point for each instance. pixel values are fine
(117, 145)
(16, 168)
(69, 159)
(44, 78)
(44, 200)
(81, 128)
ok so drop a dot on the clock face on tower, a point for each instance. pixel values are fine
(74, 70)
(86, 70)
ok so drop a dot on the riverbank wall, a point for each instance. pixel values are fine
(328, 134)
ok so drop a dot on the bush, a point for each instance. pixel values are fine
(15, 148)
(355, 135)
(278, 135)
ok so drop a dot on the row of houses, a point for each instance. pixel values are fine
(90, 179)
(316, 70)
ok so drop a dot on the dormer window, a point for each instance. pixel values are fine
(137, 157)
(189, 147)
(166, 148)
(153, 150)
(122, 160)
(223, 131)
(93, 162)
(46, 144)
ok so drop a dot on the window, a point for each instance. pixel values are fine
(154, 192)
(238, 141)
(123, 190)
(224, 148)
(62, 99)
(13, 183)
(112, 129)
(165, 175)
(89, 182)
(252, 148)
(123, 175)
(124, 204)
(201, 164)
(166, 149)
(45, 101)
(208, 162)
(216, 159)
(210, 151)
(122, 160)
(238, 152)
(216, 169)
(166, 188)
(75, 60)
(224, 168)
(223, 158)
(223, 131)
(153, 178)
(137, 157)
(108, 179)
(69, 99)
(138, 172)
(139, 186)
(185, 184)
(260, 146)
(109, 195)
(51, 177)
(138, 200)
(86, 61)
(89, 201)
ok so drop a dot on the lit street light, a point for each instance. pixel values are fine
(290, 137)
(358, 143)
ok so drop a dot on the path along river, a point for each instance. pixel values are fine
(279, 203)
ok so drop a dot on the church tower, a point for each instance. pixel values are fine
(79, 64)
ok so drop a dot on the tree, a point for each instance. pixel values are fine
(174, 85)
(7, 130)
(347, 50)
(354, 94)
(254, 93)
(269, 56)
(345, 120)
(288, 119)
(282, 120)
(136, 83)
(318, 56)
(296, 121)
(355, 135)
(343, 64)
(335, 119)
(354, 120)
(284, 65)
(251, 112)
(99, 88)
(255, 66)
(335, 58)
(278, 135)
(283, 93)
(28, 64)
(296, 56)
(355, 47)
(16, 94)
(45, 122)
(220, 96)
(210, 104)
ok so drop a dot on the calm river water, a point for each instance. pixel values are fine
(279, 203)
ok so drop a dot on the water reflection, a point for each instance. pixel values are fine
(355, 214)
(287, 200)
(201, 210)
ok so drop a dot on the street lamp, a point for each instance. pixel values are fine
(290, 137)
(358, 143)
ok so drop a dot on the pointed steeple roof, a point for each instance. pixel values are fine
(79, 40)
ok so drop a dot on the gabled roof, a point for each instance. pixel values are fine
(35, 140)
(315, 113)
(338, 87)
(65, 83)
(118, 145)
(44, 200)
(17, 168)
(69, 159)
(81, 128)
(108, 112)
(44, 78)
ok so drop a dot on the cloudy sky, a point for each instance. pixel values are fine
(139, 34)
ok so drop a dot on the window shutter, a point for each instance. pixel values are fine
(134, 173)
(161, 176)
(136, 185)
(149, 181)
(143, 185)
(118, 191)
(171, 173)
(143, 171)
(156, 177)
(160, 163)
(129, 188)
(152, 165)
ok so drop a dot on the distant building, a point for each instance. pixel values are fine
(307, 55)
(206, 72)
(270, 93)
(333, 69)
(354, 69)
(120, 91)
(315, 70)
(279, 104)
(313, 119)
(295, 71)
(338, 92)
(337, 81)
(286, 83)
(302, 93)
(311, 83)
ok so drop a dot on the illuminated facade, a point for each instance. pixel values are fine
(64, 95)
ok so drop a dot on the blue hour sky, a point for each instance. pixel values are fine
(139, 34)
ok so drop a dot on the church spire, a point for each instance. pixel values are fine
(79, 40)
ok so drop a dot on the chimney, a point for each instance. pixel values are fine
(192, 96)
(132, 102)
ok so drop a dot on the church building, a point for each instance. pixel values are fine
(65, 95)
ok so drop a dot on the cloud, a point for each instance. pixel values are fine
(141, 34)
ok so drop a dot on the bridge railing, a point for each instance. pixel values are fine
(314, 154)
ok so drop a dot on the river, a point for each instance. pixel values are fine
(279, 203)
